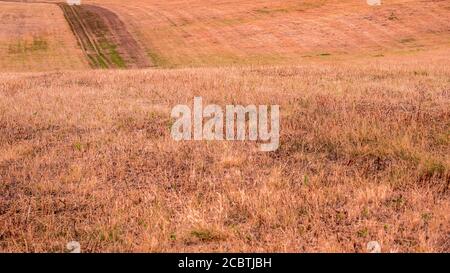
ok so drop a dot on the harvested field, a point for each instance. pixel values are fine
(35, 37)
(179, 33)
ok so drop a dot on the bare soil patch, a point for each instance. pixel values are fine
(104, 37)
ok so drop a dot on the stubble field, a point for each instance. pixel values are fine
(36, 37)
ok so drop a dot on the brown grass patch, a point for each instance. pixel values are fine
(363, 156)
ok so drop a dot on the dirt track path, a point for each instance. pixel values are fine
(102, 36)
(89, 47)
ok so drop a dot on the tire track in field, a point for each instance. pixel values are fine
(102, 36)
(90, 48)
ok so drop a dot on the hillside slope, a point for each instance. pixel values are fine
(36, 37)
(180, 33)
(364, 149)
(216, 32)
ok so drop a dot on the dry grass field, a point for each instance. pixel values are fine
(87, 155)
(180, 33)
(193, 33)
(363, 156)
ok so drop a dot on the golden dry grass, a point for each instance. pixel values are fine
(36, 37)
(365, 129)
(363, 156)
(193, 33)
(180, 33)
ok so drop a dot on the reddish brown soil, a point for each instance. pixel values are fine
(104, 37)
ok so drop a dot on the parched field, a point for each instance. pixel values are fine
(364, 156)
(193, 33)
(87, 155)
(210, 33)
(36, 37)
